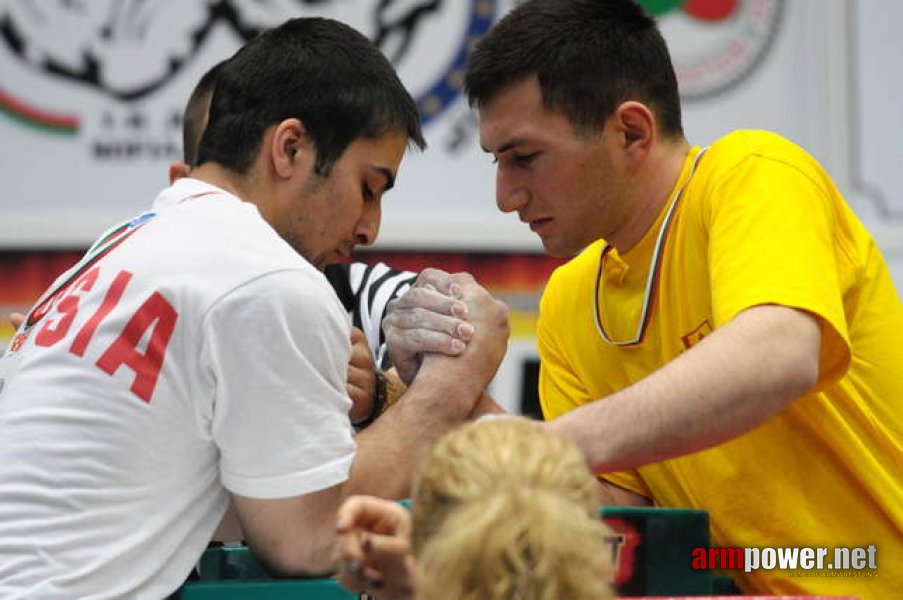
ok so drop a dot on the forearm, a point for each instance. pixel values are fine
(389, 450)
(441, 395)
(731, 382)
(612, 495)
(486, 405)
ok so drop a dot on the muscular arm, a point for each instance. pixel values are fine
(444, 393)
(297, 535)
(292, 536)
(611, 495)
(738, 377)
(734, 380)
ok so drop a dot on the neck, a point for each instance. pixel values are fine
(234, 183)
(650, 189)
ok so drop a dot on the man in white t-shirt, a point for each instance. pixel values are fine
(364, 290)
(192, 355)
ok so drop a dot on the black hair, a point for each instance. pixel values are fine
(320, 71)
(589, 56)
(194, 120)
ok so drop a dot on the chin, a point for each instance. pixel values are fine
(317, 262)
(564, 252)
(556, 250)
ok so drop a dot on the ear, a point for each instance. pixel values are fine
(178, 170)
(636, 129)
(285, 145)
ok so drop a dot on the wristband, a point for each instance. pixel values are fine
(379, 400)
(380, 395)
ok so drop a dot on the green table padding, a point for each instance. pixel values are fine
(654, 548)
(234, 574)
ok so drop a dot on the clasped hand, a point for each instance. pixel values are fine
(446, 314)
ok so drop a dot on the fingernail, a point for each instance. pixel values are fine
(465, 331)
(457, 346)
(455, 290)
(355, 566)
(459, 309)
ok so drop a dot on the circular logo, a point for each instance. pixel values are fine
(446, 88)
(716, 44)
(126, 51)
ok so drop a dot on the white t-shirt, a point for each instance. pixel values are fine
(200, 355)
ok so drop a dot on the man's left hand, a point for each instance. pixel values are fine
(361, 378)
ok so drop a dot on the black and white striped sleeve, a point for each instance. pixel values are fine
(365, 291)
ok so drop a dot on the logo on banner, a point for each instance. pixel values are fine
(113, 59)
(716, 44)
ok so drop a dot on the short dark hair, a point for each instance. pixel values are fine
(194, 120)
(317, 70)
(588, 55)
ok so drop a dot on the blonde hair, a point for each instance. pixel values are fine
(503, 510)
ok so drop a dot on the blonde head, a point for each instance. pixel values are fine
(503, 510)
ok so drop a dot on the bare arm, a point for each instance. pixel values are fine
(443, 395)
(611, 495)
(292, 536)
(296, 536)
(734, 380)
(486, 405)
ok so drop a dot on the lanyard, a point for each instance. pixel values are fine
(105, 244)
(652, 278)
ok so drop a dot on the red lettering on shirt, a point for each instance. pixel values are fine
(54, 330)
(157, 315)
(80, 343)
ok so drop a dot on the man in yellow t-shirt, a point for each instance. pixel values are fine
(824, 471)
(729, 337)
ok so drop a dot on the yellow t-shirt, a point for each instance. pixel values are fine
(758, 223)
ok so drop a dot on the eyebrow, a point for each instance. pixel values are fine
(506, 146)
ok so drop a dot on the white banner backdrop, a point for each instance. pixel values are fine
(91, 95)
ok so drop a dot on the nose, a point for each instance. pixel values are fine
(367, 228)
(510, 195)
